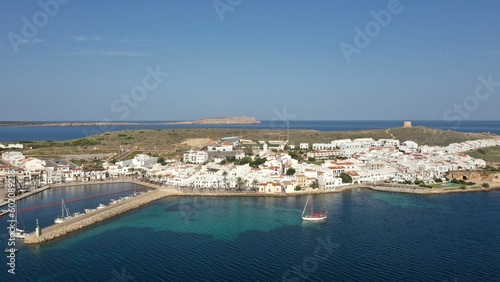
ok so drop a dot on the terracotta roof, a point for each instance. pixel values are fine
(352, 173)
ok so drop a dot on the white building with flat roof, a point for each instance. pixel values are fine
(195, 157)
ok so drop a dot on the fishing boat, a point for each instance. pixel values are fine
(64, 213)
(101, 206)
(312, 216)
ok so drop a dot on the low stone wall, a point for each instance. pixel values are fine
(96, 216)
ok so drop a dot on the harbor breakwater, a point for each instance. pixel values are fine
(83, 221)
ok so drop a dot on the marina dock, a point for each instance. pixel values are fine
(80, 222)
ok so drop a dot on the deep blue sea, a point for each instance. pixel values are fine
(369, 236)
(16, 133)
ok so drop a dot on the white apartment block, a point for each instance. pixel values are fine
(328, 181)
(13, 157)
(195, 157)
(222, 147)
(323, 154)
(142, 161)
(322, 146)
(11, 146)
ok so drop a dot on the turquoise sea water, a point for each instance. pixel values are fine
(369, 236)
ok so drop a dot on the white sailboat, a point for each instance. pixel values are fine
(312, 216)
(64, 213)
(18, 233)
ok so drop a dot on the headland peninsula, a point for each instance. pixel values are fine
(217, 120)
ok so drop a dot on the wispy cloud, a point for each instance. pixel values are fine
(80, 38)
(133, 40)
(87, 38)
(108, 53)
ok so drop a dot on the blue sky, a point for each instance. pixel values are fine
(266, 59)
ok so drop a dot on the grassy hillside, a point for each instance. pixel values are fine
(173, 141)
(490, 154)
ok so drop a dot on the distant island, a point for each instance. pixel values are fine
(219, 120)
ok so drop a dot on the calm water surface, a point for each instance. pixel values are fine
(16, 133)
(369, 236)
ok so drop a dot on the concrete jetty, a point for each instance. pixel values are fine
(96, 216)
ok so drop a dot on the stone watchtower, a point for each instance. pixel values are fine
(406, 124)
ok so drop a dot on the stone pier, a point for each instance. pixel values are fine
(99, 215)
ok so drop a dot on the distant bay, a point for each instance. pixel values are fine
(56, 133)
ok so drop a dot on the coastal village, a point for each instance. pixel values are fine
(234, 165)
(269, 167)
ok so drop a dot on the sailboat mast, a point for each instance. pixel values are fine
(306, 204)
(312, 206)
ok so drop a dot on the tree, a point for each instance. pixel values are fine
(346, 178)
(245, 160)
(294, 155)
(257, 162)
(161, 160)
(239, 183)
(298, 188)
(485, 185)
(255, 183)
(315, 184)
(290, 171)
(226, 184)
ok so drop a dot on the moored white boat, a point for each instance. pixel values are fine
(64, 214)
(313, 216)
(19, 233)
